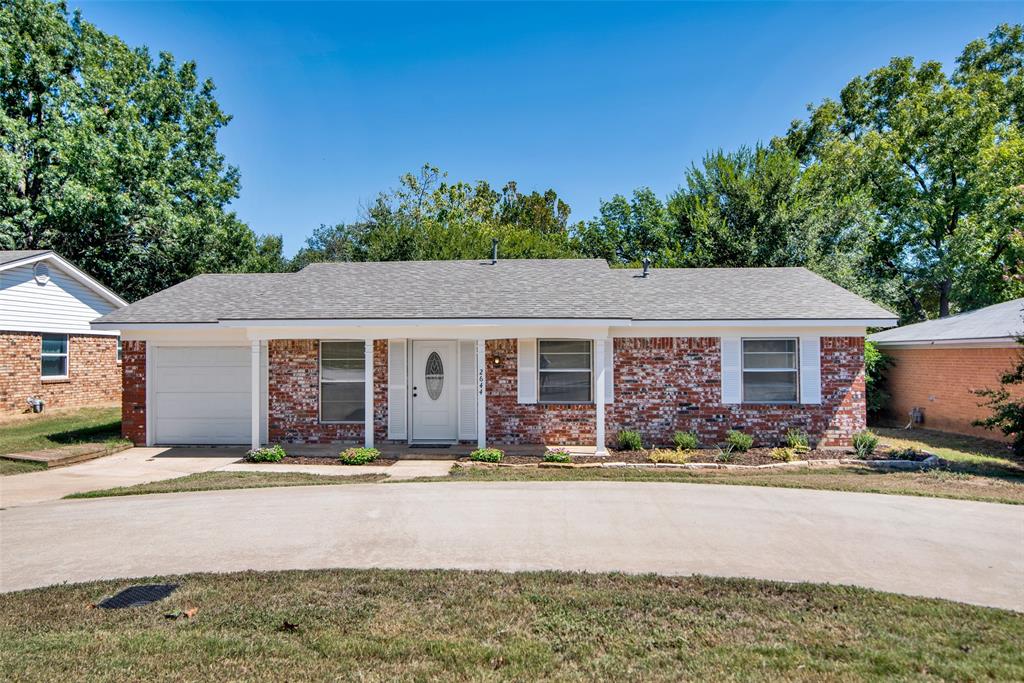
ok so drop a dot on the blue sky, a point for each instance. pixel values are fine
(332, 102)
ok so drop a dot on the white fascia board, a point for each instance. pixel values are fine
(71, 270)
(990, 342)
(400, 322)
(772, 322)
(152, 326)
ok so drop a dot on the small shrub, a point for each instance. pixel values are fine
(557, 455)
(865, 443)
(798, 440)
(630, 440)
(677, 457)
(726, 454)
(686, 441)
(358, 456)
(270, 454)
(740, 442)
(487, 455)
(783, 454)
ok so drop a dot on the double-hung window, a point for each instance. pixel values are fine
(54, 356)
(342, 381)
(770, 372)
(565, 368)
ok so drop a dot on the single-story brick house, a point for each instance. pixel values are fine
(939, 364)
(48, 351)
(562, 352)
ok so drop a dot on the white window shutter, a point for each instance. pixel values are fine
(397, 396)
(467, 390)
(527, 364)
(810, 370)
(732, 370)
(609, 370)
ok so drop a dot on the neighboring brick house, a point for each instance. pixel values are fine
(560, 352)
(939, 364)
(47, 349)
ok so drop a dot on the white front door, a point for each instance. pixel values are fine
(434, 389)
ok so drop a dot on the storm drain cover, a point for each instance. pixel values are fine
(137, 596)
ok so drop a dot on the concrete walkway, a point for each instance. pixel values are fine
(133, 466)
(403, 469)
(960, 550)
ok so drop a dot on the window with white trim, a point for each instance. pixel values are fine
(342, 381)
(120, 350)
(565, 370)
(770, 371)
(53, 357)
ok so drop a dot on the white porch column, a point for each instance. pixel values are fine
(254, 368)
(599, 346)
(481, 394)
(368, 395)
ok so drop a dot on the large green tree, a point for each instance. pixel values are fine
(429, 218)
(923, 172)
(110, 157)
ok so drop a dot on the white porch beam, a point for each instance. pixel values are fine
(481, 394)
(599, 346)
(254, 393)
(368, 394)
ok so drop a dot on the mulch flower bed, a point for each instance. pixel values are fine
(330, 460)
(755, 456)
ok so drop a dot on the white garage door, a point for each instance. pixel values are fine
(201, 395)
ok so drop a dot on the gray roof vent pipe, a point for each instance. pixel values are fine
(647, 266)
(494, 250)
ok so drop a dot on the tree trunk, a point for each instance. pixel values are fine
(944, 289)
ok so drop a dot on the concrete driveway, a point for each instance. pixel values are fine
(960, 550)
(133, 466)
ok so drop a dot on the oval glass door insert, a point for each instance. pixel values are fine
(434, 375)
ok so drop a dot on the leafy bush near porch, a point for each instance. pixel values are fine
(676, 457)
(487, 455)
(686, 441)
(783, 454)
(798, 440)
(738, 441)
(629, 440)
(557, 455)
(269, 454)
(865, 443)
(358, 456)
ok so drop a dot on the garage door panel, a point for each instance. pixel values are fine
(201, 395)
(205, 356)
(200, 380)
(203, 431)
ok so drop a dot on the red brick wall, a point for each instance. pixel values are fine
(94, 376)
(133, 398)
(294, 395)
(942, 382)
(666, 384)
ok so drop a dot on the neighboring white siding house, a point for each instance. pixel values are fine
(50, 356)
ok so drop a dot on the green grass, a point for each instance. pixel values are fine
(384, 625)
(217, 481)
(934, 483)
(963, 450)
(54, 430)
(8, 466)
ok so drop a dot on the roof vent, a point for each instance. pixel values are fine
(41, 272)
(494, 250)
(647, 266)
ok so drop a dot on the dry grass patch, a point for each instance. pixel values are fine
(8, 466)
(380, 625)
(28, 433)
(936, 483)
(217, 481)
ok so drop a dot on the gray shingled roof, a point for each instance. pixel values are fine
(1001, 321)
(512, 288)
(12, 256)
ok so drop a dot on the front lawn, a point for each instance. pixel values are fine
(936, 483)
(383, 625)
(962, 450)
(8, 466)
(215, 481)
(54, 430)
